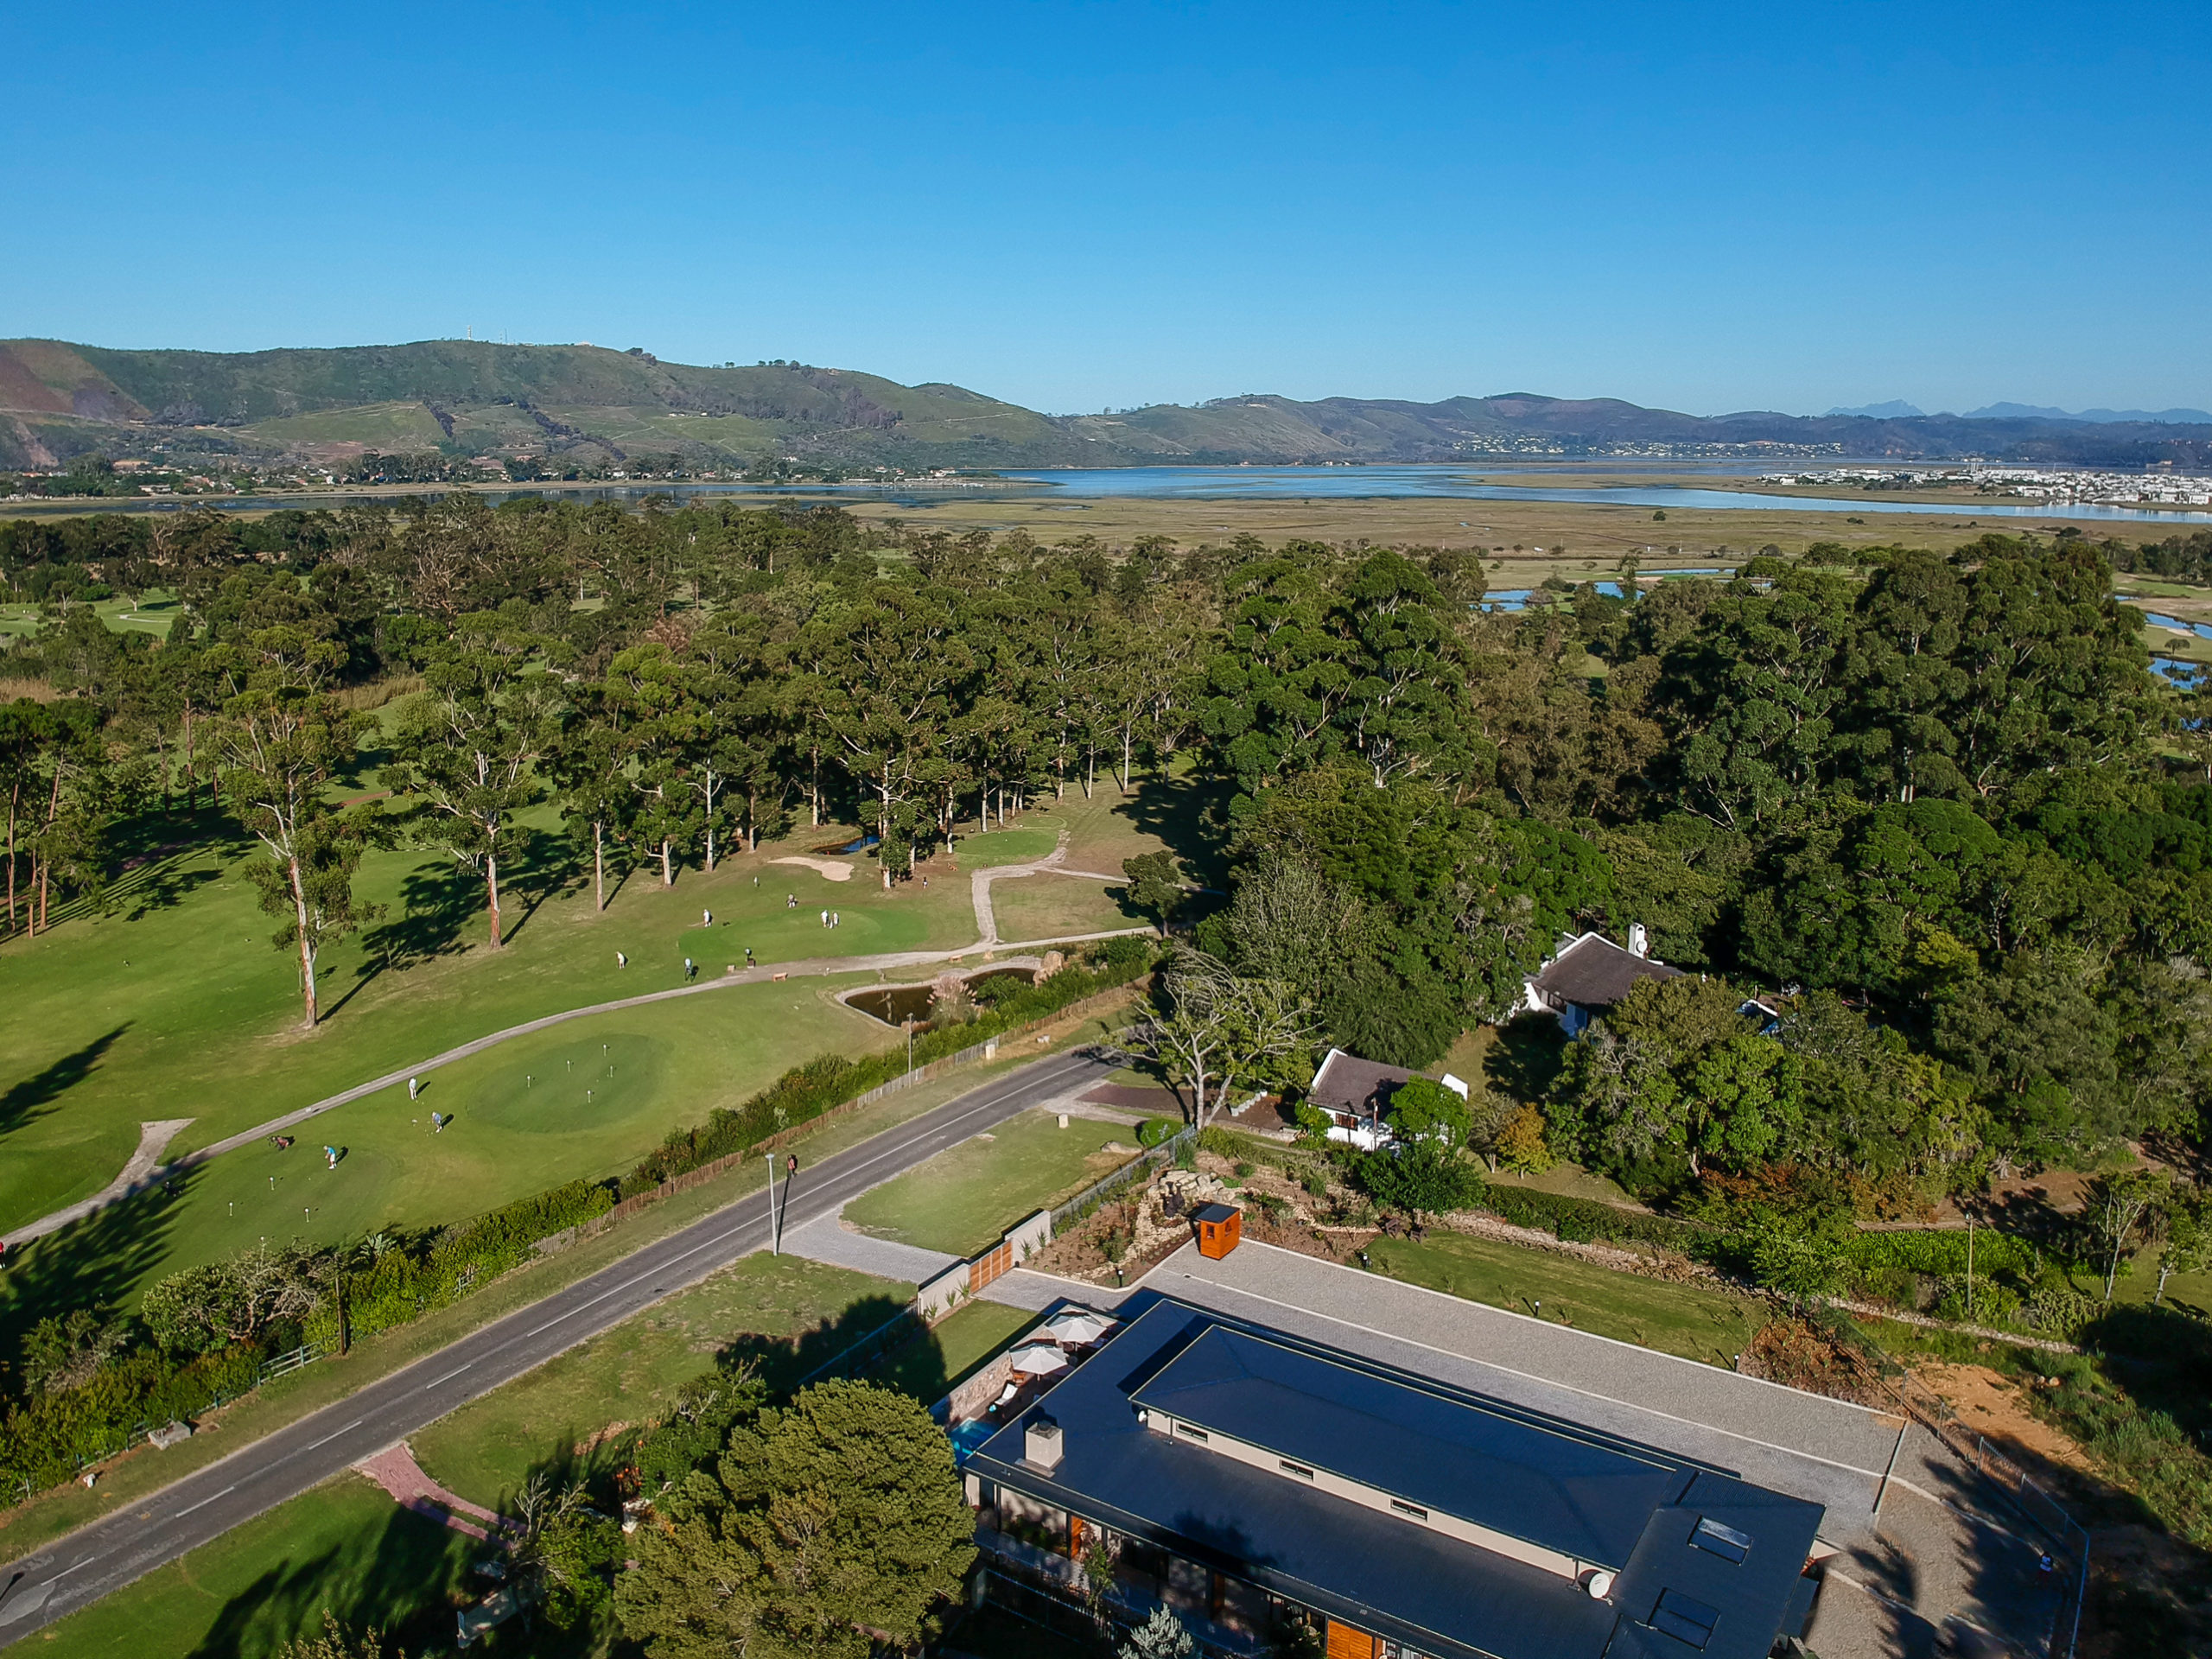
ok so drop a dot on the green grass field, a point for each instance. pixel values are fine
(1056, 906)
(346, 1546)
(176, 1006)
(1689, 1320)
(1016, 846)
(789, 1314)
(963, 1198)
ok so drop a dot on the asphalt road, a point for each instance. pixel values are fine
(86, 1565)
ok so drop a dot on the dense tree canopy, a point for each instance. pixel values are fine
(1940, 797)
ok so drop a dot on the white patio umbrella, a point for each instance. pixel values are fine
(1039, 1358)
(1076, 1327)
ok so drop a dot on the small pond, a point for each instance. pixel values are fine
(895, 1004)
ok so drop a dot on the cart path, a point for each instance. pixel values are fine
(134, 1179)
(144, 1532)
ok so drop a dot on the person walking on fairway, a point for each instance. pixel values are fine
(622, 961)
(690, 968)
(706, 918)
(331, 1153)
(414, 1087)
(834, 918)
(825, 918)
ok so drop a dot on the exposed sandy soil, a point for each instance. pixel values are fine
(828, 867)
(1992, 1405)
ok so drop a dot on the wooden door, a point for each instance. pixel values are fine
(1345, 1643)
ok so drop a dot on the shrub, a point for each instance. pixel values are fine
(805, 1092)
(1153, 1131)
(1520, 1144)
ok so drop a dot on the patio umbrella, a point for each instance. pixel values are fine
(1076, 1327)
(1039, 1358)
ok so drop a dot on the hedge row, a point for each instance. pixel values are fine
(47, 1438)
(1585, 1220)
(400, 1287)
(807, 1091)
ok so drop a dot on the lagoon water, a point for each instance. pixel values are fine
(1074, 488)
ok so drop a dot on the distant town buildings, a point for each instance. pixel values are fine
(2159, 486)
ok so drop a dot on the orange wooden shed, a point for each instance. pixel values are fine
(1220, 1227)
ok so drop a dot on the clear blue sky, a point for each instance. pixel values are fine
(1075, 206)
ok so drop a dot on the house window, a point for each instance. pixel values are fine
(1296, 1469)
(1190, 1433)
(1412, 1510)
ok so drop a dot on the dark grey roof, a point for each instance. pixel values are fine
(1216, 1212)
(1398, 1577)
(1347, 1083)
(1595, 973)
(1532, 1478)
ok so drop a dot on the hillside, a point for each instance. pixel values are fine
(590, 406)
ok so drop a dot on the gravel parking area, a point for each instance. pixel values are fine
(1944, 1547)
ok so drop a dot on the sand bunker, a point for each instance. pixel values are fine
(828, 867)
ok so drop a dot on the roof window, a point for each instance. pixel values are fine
(1726, 1543)
(1684, 1619)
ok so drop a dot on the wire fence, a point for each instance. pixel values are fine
(1922, 1405)
(1088, 1202)
(278, 1365)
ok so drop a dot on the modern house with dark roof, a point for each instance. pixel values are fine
(1587, 975)
(1250, 1478)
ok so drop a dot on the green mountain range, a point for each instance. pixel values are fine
(591, 406)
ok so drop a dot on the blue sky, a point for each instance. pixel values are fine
(1079, 205)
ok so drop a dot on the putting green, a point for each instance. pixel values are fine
(176, 1006)
(525, 1116)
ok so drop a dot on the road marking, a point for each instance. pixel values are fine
(1053, 1072)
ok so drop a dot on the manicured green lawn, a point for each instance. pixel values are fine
(176, 1006)
(929, 1367)
(522, 1122)
(789, 1314)
(1056, 906)
(1690, 1320)
(345, 1546)
(1015, 845)
(963, 1198)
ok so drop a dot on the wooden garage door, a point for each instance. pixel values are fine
(1345, 1643)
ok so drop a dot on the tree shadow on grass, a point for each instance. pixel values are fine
(405, 1575)
(842, 1345)
(35, 1096)
(1190, 814)
(97, 1263)
(1527, 1056)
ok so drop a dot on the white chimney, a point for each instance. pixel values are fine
(1639, 941)
(1040, 1443)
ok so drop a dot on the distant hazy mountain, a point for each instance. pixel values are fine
(2089, 417)
(590, 405)
(1896, 410)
